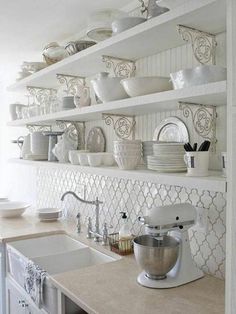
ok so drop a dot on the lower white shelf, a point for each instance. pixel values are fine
(214, 182)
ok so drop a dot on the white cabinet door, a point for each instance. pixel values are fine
(17, 303)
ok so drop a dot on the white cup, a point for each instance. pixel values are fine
(224, 163)
(39, 143)
(197, 163)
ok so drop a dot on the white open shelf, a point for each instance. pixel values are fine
(156, 35)
(208, 94)
(214, 182)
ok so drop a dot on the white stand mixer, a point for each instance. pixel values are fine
(172, 220)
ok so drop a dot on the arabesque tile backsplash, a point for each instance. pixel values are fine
(135, 197)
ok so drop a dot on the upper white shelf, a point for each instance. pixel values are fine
(151, 37)
(214, 182)
(208, 94)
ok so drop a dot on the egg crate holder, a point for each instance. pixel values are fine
(71, 82)
(203, 43)
(121, 246)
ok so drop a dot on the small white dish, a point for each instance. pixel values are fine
(12, 209)
(94, 159)
(83, 159)
(108, 159)
(125, 23)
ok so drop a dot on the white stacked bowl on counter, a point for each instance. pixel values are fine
(167, 157)
(127, 153)
(148, 149)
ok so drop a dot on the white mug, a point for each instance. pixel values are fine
(224, 163)
(197, 163)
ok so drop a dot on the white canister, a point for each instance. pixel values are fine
(224, 163)
(197, 163)
(39, 144)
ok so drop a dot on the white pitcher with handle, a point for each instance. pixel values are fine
(82, 97)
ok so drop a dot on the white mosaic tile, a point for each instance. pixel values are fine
(135, 197)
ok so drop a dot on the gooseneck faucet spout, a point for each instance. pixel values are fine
(96, 234)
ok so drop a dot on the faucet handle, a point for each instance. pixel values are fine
(89, 228)
(105, 234)
(78, 216)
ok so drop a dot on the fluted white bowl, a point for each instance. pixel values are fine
(199, 75)
(127, 163)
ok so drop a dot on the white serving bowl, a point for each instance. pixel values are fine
(199, 75)
(138, 86)
(127, 163)
(125, 23)
(108, 88)
(108, 159)
(95, 159)
(12, 209)
(170, 4)
(83, 159)
(74, 156)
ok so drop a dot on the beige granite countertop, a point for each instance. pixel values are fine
(112, 288)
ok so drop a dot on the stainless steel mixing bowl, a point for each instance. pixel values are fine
(156, 257)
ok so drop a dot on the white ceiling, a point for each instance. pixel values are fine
(26, 26)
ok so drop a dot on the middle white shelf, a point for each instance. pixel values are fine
(214, 182)
(207, 94)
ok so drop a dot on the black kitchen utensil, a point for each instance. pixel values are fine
(195, 147)
(204, 147)
(188, 147)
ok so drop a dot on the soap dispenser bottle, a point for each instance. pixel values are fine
(125, 234)
(124, 231)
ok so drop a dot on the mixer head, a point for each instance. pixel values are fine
(162, 219)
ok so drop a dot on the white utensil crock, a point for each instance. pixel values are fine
(197, 163)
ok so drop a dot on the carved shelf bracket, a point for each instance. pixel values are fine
(41, 96)
(120, 67)
(204, 120)
(75, 131)
(71, 82)
(203, 44)
(38, 128)
(123, 125)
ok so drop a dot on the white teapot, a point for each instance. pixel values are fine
(82, 97)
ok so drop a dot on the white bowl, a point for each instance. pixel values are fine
(127, 163)
(95, 159)
(109, 89)
(83, 159)
(199, 75)
(170, 4)
(138, 86)
(49, 213)
(12, 209)
(126, 150)
(74, 156)
(125, 23)
(108, 159)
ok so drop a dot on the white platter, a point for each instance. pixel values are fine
(171, 129)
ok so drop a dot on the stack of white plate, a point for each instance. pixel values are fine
(49, 214)
(148, 149)
(127, 153)
(168, 157)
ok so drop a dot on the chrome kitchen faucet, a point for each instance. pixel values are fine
(96, 234)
